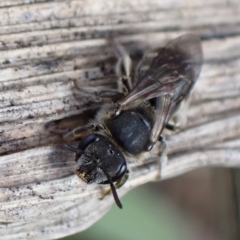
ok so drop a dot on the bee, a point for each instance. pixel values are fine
(131, 124)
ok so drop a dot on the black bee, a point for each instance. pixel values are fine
(128, 127)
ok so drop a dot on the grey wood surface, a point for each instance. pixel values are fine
(46, 46)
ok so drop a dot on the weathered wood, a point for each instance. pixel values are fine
(46, 46)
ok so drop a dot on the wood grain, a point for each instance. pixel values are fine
(46, 46)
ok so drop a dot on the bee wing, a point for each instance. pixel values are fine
(173, 72)
(171, 76)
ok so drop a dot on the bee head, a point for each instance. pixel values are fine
(100, 161)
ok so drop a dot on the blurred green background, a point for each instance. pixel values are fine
(143, 217)
(196, 206)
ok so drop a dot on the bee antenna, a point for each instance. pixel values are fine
(113, 188)
(73, 149)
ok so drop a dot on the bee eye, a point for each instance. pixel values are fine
(88, 140)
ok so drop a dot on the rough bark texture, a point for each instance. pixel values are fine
(46, 46)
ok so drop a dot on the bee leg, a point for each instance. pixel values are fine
(96, 96)
(163, 157)
(173, 126)
(123, 68)
(122, 180)
(180, 117)
(170, 126)
(114, 95)
(118, 184)
(78, 132)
